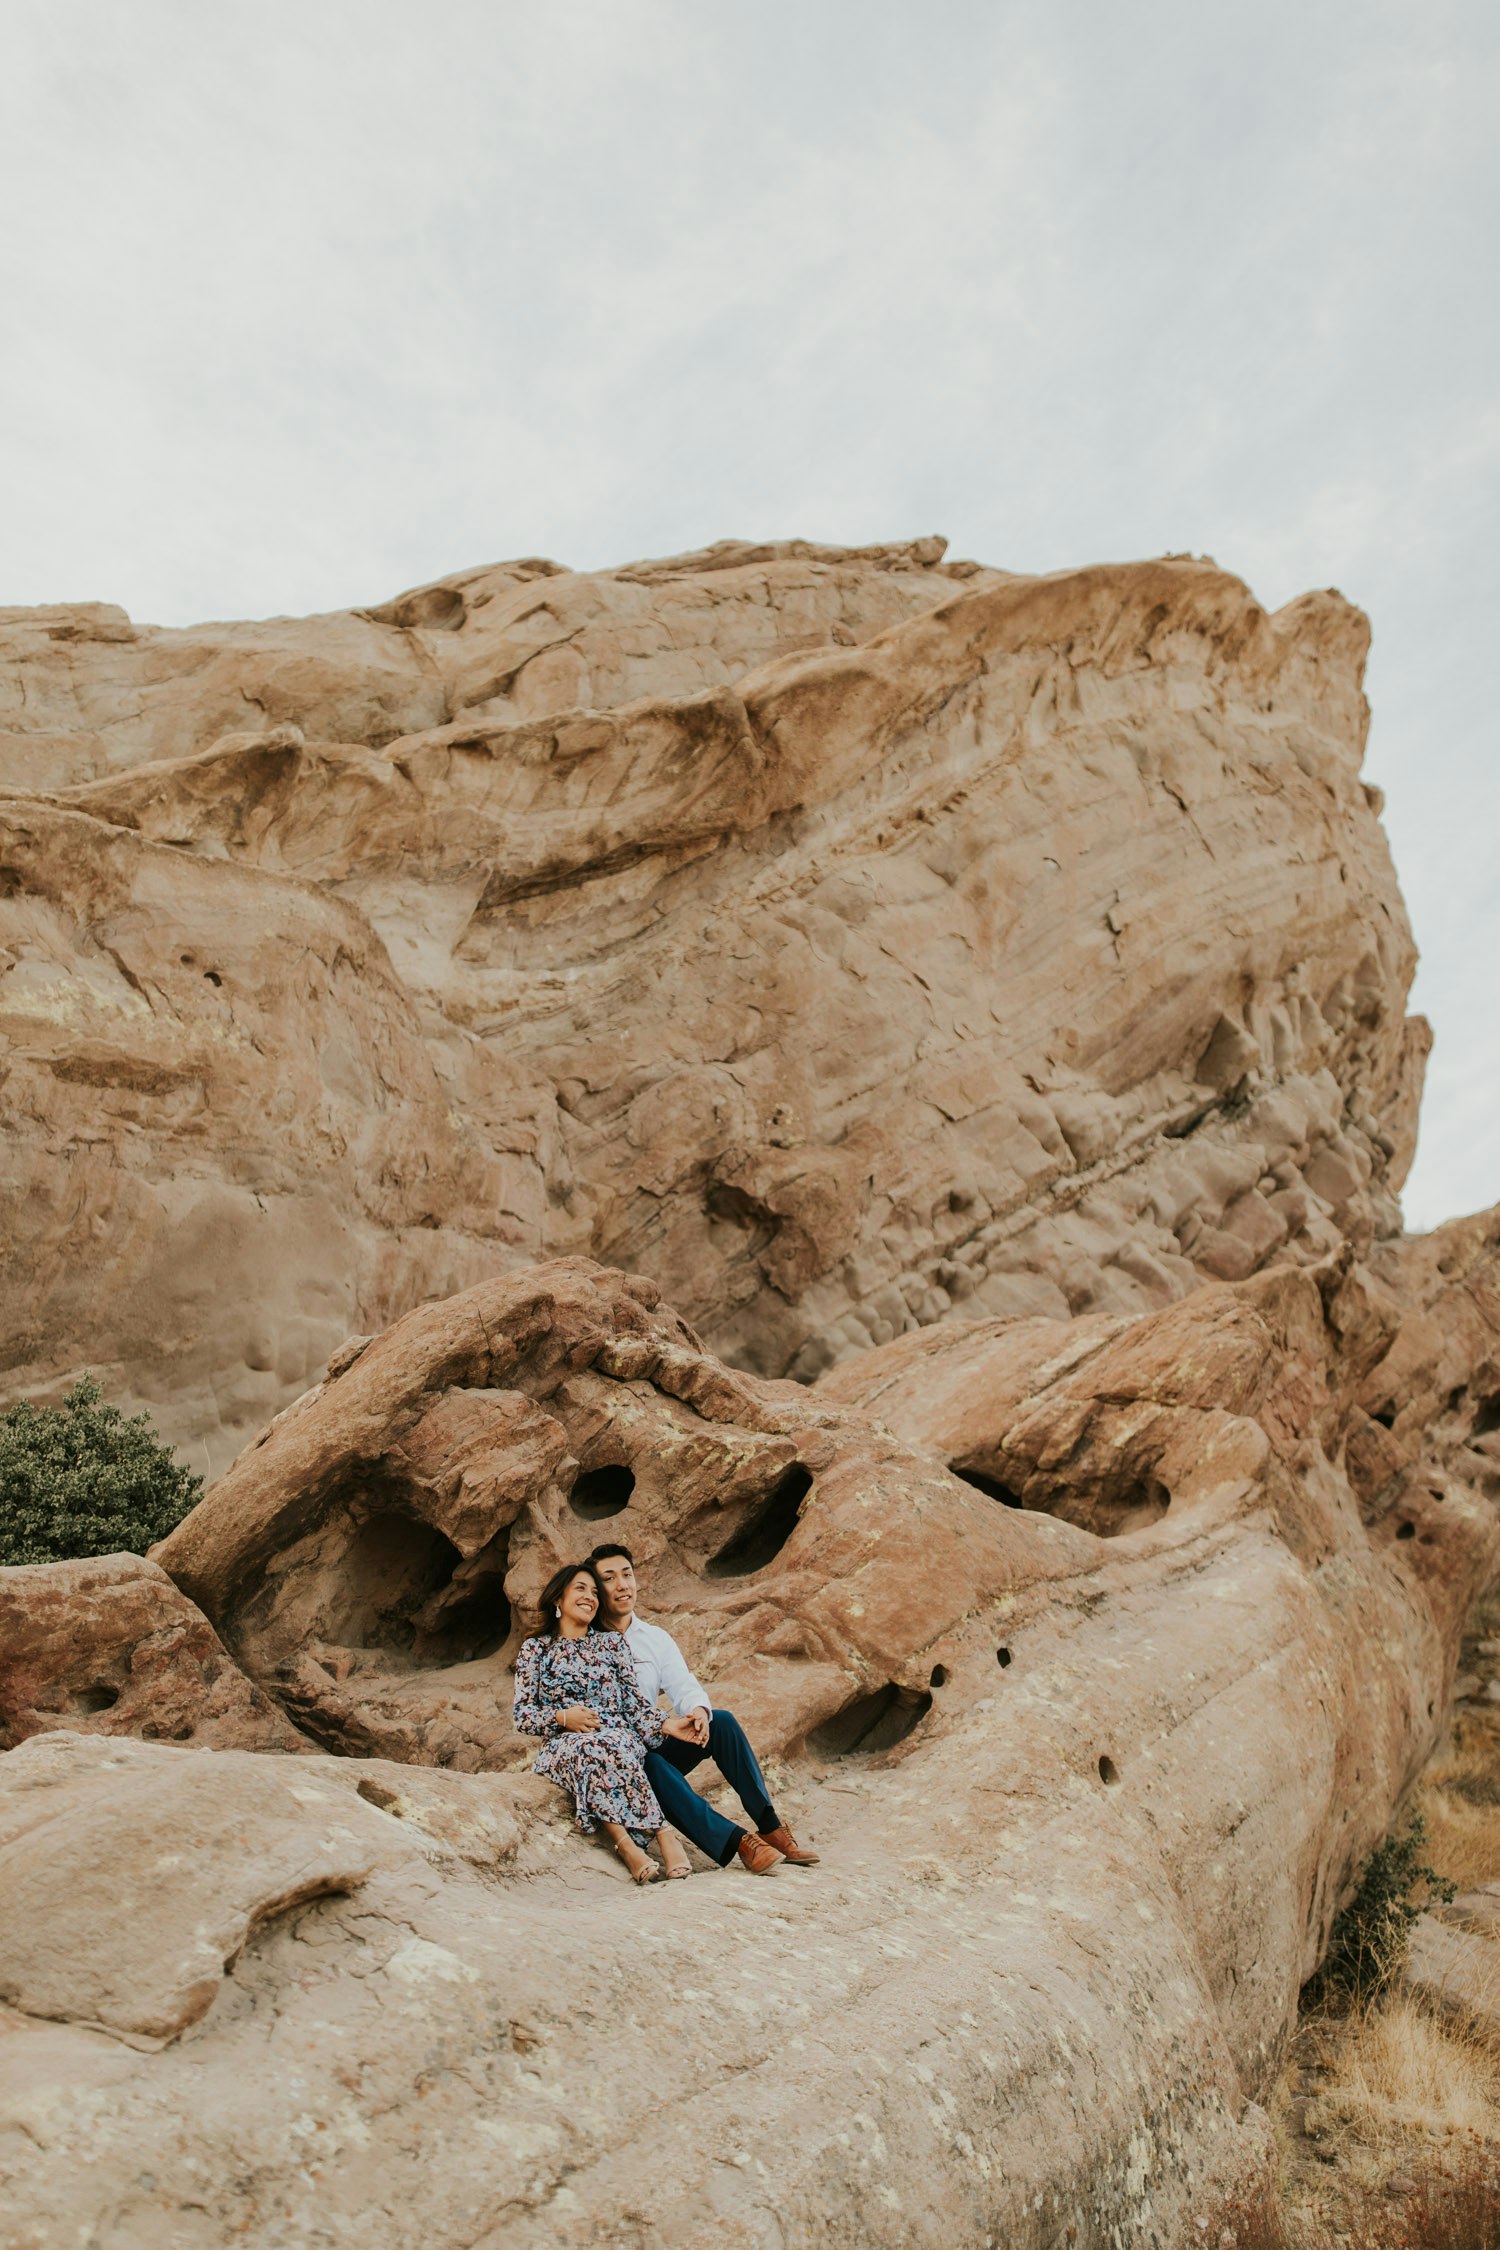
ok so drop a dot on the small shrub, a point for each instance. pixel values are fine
(1372, 1933)
(79, 1479)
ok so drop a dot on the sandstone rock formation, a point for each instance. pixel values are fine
(88, 1937)
(110, 1646)
(880, 1082)
(848, 940)
(1094, 1656)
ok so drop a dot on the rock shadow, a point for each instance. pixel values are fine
(872, 1723)
(763, 1533)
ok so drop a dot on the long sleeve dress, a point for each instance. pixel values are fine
(604, 1771)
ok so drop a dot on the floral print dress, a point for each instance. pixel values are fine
(604, 1771)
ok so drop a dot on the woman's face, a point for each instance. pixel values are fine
(579, 1601)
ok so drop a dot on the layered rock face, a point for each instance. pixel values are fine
(1094, 1654)
(881, 1084)
(847, 939)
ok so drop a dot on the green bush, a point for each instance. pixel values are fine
(79, 1479)
(1372, 1933)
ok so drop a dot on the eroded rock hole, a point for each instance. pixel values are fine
(470, 1618)
(407, 1590)
(100, 1697)
(1385, 1416)
(939, 1676)
(767, 1528)
(1002, 1657)
(1142, 1506)
(379, 1794)
(876, 1722)
(1109, 1772)
(602, 1492)
(1487, 1418)
(991, 1487)
(1407, 1531)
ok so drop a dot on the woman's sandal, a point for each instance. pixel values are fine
(645, 1873)
(679, 1871)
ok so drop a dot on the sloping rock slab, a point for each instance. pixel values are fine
(133, 1874)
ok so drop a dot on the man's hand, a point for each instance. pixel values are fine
(698, 1722)
(579, 1719)
(679, 1730)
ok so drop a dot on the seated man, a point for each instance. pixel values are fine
(716, 1734)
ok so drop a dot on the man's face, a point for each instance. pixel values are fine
(617, 1577)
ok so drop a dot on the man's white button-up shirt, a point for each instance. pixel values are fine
(662, 1668)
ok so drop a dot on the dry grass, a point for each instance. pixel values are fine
(1391, 2140)
(1460, 1799)
(1463, 1839)
(1454, 2209)
(1395, 2072)
(1390, 2092)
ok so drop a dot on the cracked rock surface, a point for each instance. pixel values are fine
(1093, 1655)
(848, 939)
(882, 1084)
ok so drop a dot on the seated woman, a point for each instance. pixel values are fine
(579, 1690)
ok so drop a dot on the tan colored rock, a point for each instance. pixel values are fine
(83, 1869)
(134, 1875)
(226, 1131)
(1088, 1791)
(985, 994)
(850, 940)
(109, 1646)
(375, 1559)
(1454, 1964)
(84, 691)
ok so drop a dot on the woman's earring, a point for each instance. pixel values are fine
(557, 1613)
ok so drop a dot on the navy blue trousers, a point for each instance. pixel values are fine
(667, 1770)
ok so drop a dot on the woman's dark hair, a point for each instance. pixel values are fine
(552, 1593)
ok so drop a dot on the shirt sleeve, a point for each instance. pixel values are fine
(536, 1711)
(682, 1690)
(640, 1715)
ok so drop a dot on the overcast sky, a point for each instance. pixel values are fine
(305, 303)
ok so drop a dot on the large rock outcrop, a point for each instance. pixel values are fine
(1092, 1652)
(488, 1045)
(847, 939)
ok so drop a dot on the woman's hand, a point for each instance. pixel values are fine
(579, 1719)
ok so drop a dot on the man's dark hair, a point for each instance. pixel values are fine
(611, 1547)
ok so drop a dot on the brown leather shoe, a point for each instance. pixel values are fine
(783, 1841)
(758, 1855)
